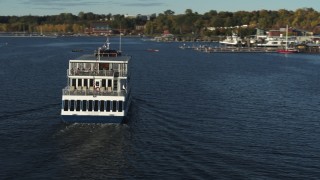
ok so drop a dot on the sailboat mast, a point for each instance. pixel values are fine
(287, 37)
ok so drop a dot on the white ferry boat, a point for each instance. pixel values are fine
(98, 88)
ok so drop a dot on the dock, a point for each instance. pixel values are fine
(306, 48)
(236, 49)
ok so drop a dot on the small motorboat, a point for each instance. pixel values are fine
(153, 50)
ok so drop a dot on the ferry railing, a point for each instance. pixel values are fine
(78, 72)
(94, 92)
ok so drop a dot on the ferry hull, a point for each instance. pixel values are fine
(92, 119)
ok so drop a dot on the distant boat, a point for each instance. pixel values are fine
(287, 50)
(233, 40)
(153, 50)
(274, 42)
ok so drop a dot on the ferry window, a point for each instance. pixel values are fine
(78, 107)
(120, 104)
(95, 66)
(116, 74)
(115, 83)
(73, 65)
(115, 66)
(66, 107)
(79, 82)
(90, 105)
(109, 82)
(87, 66)
(114, 106)
(125, 67)
(85, 82)
(91, 82)
(84, 105)
(103, 66)
(122, 69)
(103, 83)
(101, 105)
(96, 105)
(73, 83)
(108, 106)
(72, 105)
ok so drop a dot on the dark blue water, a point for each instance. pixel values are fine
(194, 115)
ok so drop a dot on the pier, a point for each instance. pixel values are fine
(236, 49)
(309, 49)
(230, 49)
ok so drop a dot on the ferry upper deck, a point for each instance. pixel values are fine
(92, 75)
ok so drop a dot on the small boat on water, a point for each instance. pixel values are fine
(287, 50)
(97, 88)
(233, 40)
(275, 42)
(153, 50)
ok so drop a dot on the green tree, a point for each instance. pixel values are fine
(169, 12)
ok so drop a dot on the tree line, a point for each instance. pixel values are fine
(188, 23)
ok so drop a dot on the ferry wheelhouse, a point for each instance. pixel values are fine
(98, 89)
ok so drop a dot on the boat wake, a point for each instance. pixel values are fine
(14, 114)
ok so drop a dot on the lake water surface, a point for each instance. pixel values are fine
(194, 115)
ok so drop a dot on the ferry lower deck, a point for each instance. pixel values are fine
(94, 108)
